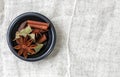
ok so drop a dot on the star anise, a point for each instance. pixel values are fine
(25, 46)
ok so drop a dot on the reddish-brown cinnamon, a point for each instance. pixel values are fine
(42, 39)
(37, 23)
(38, 31)
(38, 26)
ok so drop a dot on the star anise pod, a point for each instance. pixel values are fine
(25, 46)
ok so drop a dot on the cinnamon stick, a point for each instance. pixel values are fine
(42, 39)
(38, 31)
(38, 26)
(37, 23)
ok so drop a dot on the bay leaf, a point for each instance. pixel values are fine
(38, 47)
(32, 36)
(23, 32)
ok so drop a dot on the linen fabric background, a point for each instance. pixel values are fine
(88, 38)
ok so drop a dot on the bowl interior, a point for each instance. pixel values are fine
(14, 27)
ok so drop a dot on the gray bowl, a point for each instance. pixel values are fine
(51, 35)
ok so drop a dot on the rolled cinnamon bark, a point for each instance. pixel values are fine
(38, 26)
(42, 39)
(37, 23)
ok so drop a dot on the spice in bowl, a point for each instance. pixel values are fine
(30, 37)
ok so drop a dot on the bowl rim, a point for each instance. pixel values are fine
(53, 33)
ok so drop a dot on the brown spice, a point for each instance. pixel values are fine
(38, 26)
(25, 46)
(37, 23)
(42, 39)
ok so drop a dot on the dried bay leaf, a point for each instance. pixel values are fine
(23, 32)
(38, 47)
(32, 36)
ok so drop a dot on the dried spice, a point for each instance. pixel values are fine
(23, 32)
(25, 46)
(22, 26)
(42, 39)
(38, 47)
(30, 37)
(39, 25)
(36, 32)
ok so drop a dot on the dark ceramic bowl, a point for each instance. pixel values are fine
(51, 35)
